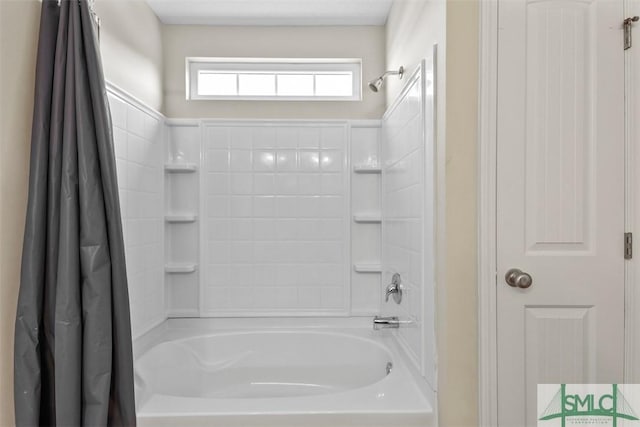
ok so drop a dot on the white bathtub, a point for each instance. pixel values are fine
(191, 373)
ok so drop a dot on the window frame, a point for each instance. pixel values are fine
(275, 66)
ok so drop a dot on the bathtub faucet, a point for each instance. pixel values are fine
(385, 322)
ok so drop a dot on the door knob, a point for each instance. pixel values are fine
(518, 279)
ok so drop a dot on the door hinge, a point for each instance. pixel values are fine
(627, 24)
(628, 245)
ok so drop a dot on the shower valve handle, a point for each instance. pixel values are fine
(395, 289)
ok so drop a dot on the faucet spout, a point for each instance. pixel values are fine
(385, 322)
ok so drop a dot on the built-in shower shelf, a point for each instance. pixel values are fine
(180, 167)
(180, 219)
(367, 169)
(180, 268)
(367, 218)
(183, 313)
(367, 268)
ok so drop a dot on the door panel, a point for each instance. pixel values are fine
(560, 198)
(552, 334)
(559, 126)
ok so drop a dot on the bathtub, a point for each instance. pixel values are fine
(249, 372)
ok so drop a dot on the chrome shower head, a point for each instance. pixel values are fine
(376, 84)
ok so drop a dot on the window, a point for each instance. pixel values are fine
(274, 79)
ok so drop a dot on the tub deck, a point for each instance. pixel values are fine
(396, 400)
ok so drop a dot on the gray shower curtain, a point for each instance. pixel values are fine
(73, 360)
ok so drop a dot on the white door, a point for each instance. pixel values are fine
(560, 198)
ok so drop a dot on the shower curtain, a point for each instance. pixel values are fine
(73, 359)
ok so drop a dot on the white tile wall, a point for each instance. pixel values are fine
(406, 202)
(274, 215)
(139, 159)
(276, 219)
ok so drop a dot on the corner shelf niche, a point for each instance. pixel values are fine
(180, 268)
(367, 268)
(180, 167)
(367, 218)
(367, 169)
(180, 219)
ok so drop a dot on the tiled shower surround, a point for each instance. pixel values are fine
(266, 218)
(275, 219)
(137, 134)
(260, 218)
(408, 212)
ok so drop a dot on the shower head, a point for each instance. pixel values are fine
(376, 84)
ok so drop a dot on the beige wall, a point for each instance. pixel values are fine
(413, 27)
(132, 59)
(182, 41)
(458, 328)
(19, 20)
(131, 47)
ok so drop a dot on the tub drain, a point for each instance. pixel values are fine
(389, 367)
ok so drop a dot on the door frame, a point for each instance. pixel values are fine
(487, 210)
(487, 213)
(632, 199)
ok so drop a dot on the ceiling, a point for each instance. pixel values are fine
(272, 12)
